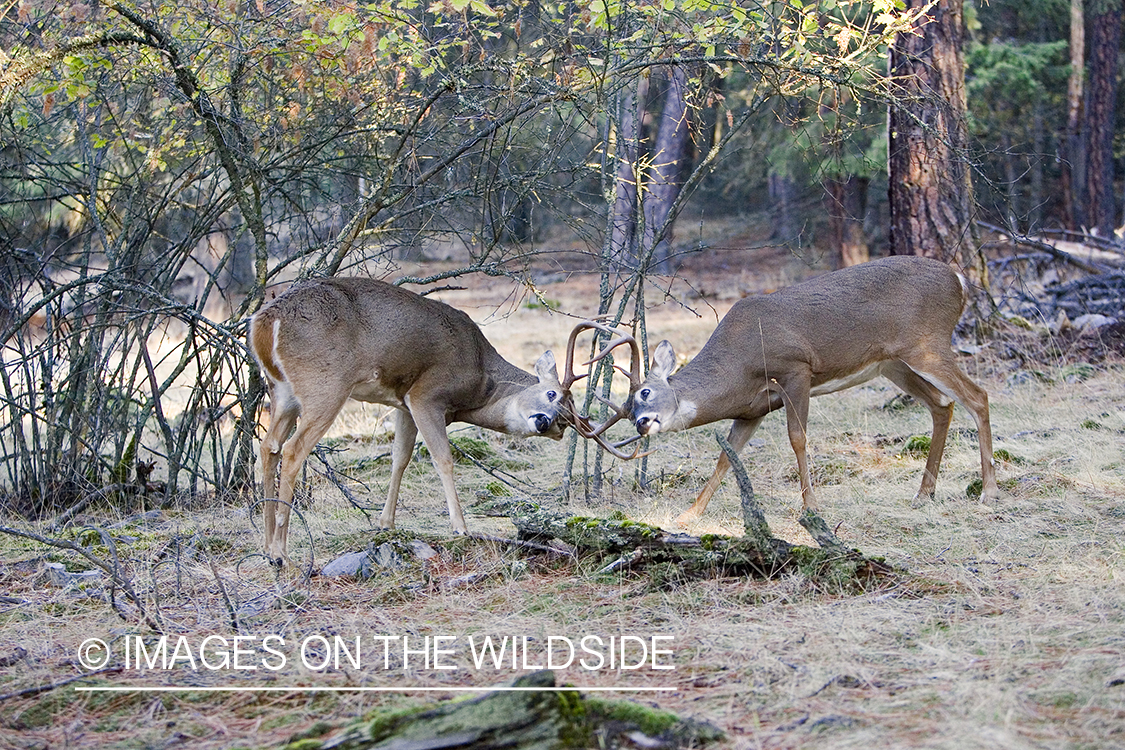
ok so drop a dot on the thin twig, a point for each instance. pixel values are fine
(61, 683)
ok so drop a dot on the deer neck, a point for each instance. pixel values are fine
(499, 412)
(705, 393)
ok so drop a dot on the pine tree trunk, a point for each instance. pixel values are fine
(1073, 174)
(782, 191)
(669, 157)
(624, 219)
(1105, 41)
(846, 201)
(930, 191)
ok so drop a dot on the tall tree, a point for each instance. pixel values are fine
(664, 179)
(846, 201)
(929, 187)
(1074, 161)
(1105, 41)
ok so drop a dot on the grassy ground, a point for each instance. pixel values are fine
(1005, 627)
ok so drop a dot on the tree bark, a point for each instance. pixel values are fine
(930, 190)
(1105, 41)
(663, 185)
(1073, 163)
(783, 195)
(846, 201)
(624, 220)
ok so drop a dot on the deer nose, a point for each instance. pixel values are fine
(644, 424)
(542, 423)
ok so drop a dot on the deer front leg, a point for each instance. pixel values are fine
(431, 425)
(795, 394)
(740, 433)
(975, 399)
(406, 432)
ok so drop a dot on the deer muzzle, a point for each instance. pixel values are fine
(541, 422)
(647, 424)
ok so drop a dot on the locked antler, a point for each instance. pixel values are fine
(580, 422)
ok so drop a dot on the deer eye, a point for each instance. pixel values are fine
(645, 393)
(551, 395)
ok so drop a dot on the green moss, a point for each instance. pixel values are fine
(917, 446)
(386, 724)
(539, 302)
(1077, 372)
(496, 489)
(365, 464)
(304, 744)
(651, 721)
(1000, 454)
(48, 710)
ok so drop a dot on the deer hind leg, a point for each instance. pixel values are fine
(317, 415)
(941, 412)
(406, 432)
(740, 433)
(283, 416)
(942, 372)
(431, 424)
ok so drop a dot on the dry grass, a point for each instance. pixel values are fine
(1005, 629)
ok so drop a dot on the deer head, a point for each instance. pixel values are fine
(581, 422)
(536, 410)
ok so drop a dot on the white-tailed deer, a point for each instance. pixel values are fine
(892, 317)
(325, 341)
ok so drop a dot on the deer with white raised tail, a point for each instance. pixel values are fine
(892, 317)
(328, 340)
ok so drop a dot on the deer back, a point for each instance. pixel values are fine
(381, 342)
(840, 322)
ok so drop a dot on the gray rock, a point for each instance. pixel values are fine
(345, 565)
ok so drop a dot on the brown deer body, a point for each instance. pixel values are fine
(892, 317)
(325, 341)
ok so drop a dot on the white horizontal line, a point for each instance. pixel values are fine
(311, 689)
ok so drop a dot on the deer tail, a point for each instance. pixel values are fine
(263, 342)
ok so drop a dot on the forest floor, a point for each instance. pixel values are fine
(1002, 626)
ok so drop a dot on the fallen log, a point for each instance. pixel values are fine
(759, 553)
(529, 714)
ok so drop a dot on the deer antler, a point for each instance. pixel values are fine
(581, 423)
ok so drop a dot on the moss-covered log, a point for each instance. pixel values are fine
(759, 553)
(534, 716)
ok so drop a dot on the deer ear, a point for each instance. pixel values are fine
(545, 368)
(663, 361)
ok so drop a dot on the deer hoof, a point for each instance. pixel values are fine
(922, 499)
